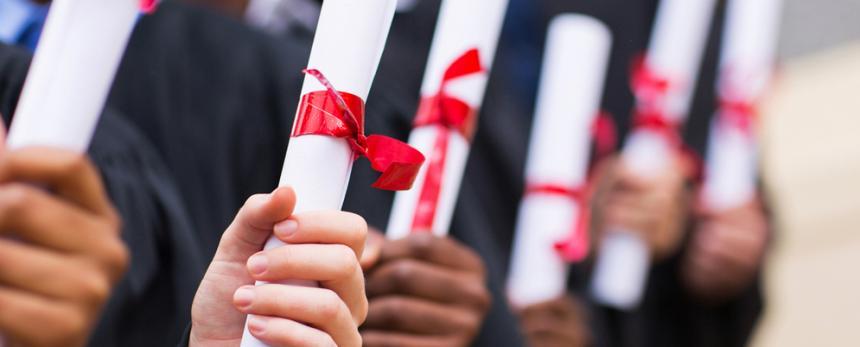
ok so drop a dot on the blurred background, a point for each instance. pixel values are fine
(812, 163)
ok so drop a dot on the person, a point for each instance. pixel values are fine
(165, 265)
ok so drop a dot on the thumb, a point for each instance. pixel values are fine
(254, 224)
(372, 249)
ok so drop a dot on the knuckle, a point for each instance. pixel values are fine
(330, 306)
(421, 244)
(95, 288)
(117, 258)
(347, 263)
(359, 315)
(402, 273)
(15, 199)
(358, 224)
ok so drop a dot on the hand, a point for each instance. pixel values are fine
(556, 323)
(60, 253)
(726, 251)
(654, 208)
(424, 291)
(322, 247)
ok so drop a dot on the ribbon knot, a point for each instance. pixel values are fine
(574, 247)
(341, 115)
(449, 113)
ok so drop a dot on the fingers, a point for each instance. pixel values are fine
(374, 338)
(427, 281)
(254, 224)
(410, 315)
(22, 311)
(317, 307)
(279, 332)
(70, 175)
(334, 266)
(372, 249)
(40, 272)
(329, 227)
(33, 215)
(443, 251)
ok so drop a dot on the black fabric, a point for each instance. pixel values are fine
(150, 306)
(215, 100)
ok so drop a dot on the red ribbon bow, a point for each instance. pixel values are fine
(341, 115)
(449, 114)
(575, 247)
(148, 6)
(651, 90)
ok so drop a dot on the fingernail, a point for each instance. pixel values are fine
(256, 325)
(244, 297)
(286, 228)
(258, 264)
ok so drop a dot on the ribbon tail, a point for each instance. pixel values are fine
(467, 64)
(575, 247)
(398, 162)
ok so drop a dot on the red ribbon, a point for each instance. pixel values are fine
(575, 247)
(148, 6)
(341, 115)
(447, 113)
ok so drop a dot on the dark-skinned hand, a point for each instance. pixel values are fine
(557, 323)
(424, 291)
(60, 250)
(726, 251)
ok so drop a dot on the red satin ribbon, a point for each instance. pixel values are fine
(738, 113)
(574, 247)
(447, 113)
(341, 115)
(148, 6)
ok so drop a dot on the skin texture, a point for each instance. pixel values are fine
(726, 251)
(322, 247)
(48, 278)
(558, 323)
(424, 291)
(655, 208)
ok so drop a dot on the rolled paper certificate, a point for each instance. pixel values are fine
(328, 133)
(463, 49)
(574, 71)
(71, 74)
(663, 83)
(746, 67)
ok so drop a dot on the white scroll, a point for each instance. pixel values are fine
(462, 26)
(574, 71)
(676, 50)
(348, 45)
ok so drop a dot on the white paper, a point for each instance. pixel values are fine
(574, 71)
(746, 67)
(348, 45)
(462, 25)
(677, 46)
(71, 74)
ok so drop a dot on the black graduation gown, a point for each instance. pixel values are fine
(214, 98)
(150, 306)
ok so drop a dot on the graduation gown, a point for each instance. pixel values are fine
(150, 306)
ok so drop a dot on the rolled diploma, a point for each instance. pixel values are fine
(462, 25)
(574, 71)
(71, 74)
(746, 67)
(348, 45)
(677, 45)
